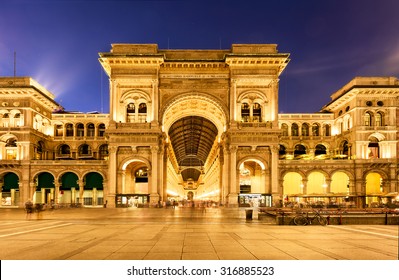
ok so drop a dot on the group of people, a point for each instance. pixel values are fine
(31, 208)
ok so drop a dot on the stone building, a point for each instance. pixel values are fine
(194, 126)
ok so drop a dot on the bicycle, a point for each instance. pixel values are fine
(303, 220)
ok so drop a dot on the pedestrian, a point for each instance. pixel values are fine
(38, 208)
(28, 209)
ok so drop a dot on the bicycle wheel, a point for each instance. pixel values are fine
(322, 220)
(300, 220)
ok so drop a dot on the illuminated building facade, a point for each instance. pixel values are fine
(194, 126)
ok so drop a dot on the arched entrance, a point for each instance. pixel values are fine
(374, 189)
(69, 188)
(252, 181)
(135, 189)
(9, 194)
(93, 189)
(44, 192)
(193, 125)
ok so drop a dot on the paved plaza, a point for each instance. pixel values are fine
(183, 234)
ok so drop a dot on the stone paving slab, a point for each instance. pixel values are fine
(148, 234)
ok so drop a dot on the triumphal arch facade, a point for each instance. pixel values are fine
(193, 124)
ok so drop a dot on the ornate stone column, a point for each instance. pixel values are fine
(56, 191)
(233, 182)
(81, 190)
(154, 196)
(112, 173)
(274, 171)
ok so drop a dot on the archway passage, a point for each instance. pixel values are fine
(192, 139)
(10, 189)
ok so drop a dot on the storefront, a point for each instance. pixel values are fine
(132, 200)
(254, 200)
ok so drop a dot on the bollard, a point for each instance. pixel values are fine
(248, 214)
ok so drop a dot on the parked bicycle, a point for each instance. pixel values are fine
(304, 219)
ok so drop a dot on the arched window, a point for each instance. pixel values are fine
(142, 113)
(373, 149)
(316, 129)
(69, 130)
(143, 108)
(80, 130)
(367, 119)
(17, 120)
(141, 175)
(11, 142)
(320, 150)
(58, 130)
(305, 129)
(11, 148)
(64, 151)
(345, 148)
(294, 129)
(245, 112)
(101, 130)
(131, 108)
(103, 152)
(84, 150)
(130, 112)
(379, 119)
(284, 127)
(256, 113)
(90, 130)
(6, 120)
(327, 130)
(39, 150)
(282, 151)
(299, 151)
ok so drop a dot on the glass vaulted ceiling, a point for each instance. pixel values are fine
(192, 139)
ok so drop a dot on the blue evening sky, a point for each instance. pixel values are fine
(330, 42)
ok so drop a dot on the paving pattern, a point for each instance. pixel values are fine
(183, 234)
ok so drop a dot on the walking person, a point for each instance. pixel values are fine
(38, 209)
(29, 209)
